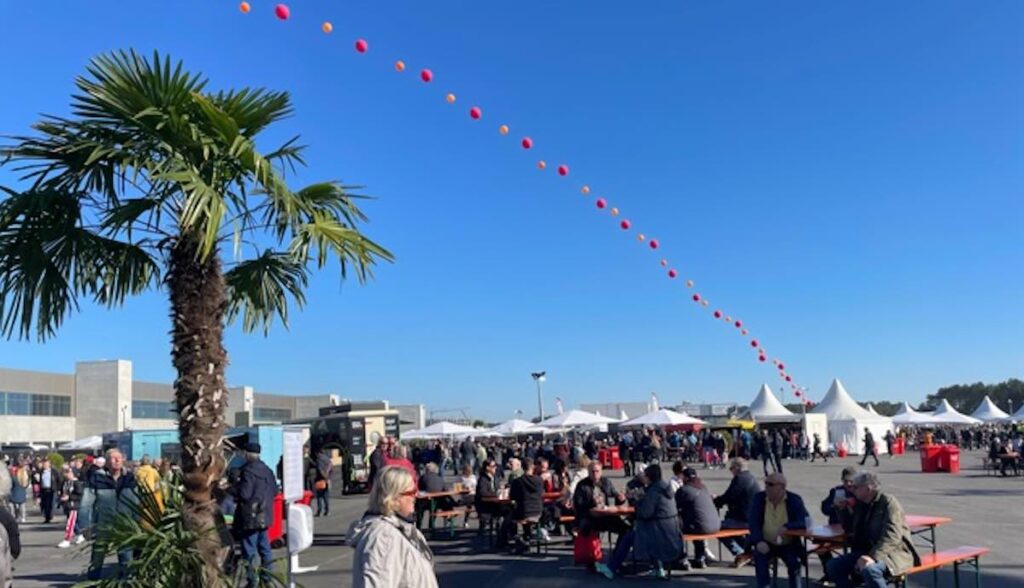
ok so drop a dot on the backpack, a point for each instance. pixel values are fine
(6, 563)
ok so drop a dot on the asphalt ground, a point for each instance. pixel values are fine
(986, 511)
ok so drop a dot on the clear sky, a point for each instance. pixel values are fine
(845, 177)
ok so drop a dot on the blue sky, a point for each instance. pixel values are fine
(846, 178)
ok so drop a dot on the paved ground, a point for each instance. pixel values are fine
(985, 511)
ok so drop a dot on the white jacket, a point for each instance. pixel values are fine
(390, 553)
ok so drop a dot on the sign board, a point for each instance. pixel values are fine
(293, 465)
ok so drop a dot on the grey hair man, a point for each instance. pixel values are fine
(880, 546)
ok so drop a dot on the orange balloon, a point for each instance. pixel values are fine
(585, 189)
(399, 65)
(503, 129)
(541, 164)
(327, 27)
(244, 7)
(450, 98)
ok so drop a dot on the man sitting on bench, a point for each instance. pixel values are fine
(881, 545)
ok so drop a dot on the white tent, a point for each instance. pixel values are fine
(517, 427)
(92, 443)
(945, 414)
(847, 420)
(766, 408)
(908, 416)
(663, 417)
(870, 408)
(1018, 416)
(988, 411)
(576, 418)
(441, 429)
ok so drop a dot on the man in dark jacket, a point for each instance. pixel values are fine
(596, 491)
(772, 513)
(11, 548)
(527, 494)
(834, 505)
(880, 546)
(697, 512)
(109, 492)
(256, 490)
(486, 491)
(431, 482)
(869, 447)
(736, 501)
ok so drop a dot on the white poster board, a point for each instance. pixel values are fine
(293, 465)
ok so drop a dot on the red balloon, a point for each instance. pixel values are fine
(696, 297)
(654, 243)
(789, 379)
(426, 75)
(563, 170)
(797, 393)
(739, 324)
(718, 314)
(601, 203)
(782, 366)
(475, 113)
(672, 273)
(362, 46)
(527, 143)
(761, 358)
(282, 11)
(753, 343)
(743, 332)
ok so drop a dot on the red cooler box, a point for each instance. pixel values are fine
(898, 447)
(930, 457)
(604, 458)
(950, 459)
(276, 529)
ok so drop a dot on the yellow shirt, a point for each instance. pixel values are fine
(775, 517)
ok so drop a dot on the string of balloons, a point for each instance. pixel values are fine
(476, 113)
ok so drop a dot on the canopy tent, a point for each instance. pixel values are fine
(441, 429)
(1018, 416)
(514, 427)
(847, 420)
(92, 443)
(908, 416)
(870, 408)
(945, 414)
(766, 408)
(987, 411)
(662, 418)
(576, 418)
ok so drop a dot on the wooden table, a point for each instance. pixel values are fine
(818, 534)
(613, 511)
(432, 497)
(923, 526)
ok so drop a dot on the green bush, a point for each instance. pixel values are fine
(56, 460)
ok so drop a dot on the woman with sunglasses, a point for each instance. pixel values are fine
(390, 550)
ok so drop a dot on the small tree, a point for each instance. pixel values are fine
(155, 182)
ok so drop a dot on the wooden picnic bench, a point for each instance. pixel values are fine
(963, 555)
(720, 534)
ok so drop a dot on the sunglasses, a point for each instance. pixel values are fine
(410, 493)
(771, 484)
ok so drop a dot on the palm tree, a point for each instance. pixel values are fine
(155, 181)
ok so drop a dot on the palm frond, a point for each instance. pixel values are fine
(259, 289)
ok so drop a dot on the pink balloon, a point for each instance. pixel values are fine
(743, 332)
(718, 314)
(625, 225)
(672, 273)
(563, 170)
(696, 297)
(789, 379)
(654, 243)
(527, 143)
(362, 45)
(782, 366)
(426, 75)
(739, 324)
(601, 203)
(753, 343)
(475, 113)
(798, 394)
(282, 11)
(761, 358)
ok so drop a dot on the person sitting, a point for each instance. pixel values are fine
(772, 513)
(880, 544)
(697, 513)
(431, 482)
(527, 494)
(835, 508)
(1007, 457)
(656, 536)
(596, 491)
(488, 512)
(736, 500)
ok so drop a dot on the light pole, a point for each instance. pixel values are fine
(539, 377)
(803, 399)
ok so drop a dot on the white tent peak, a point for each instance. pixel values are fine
(663, 417)
(839, 405)
(989, 411)
(767, 408)
(906, 415)
(576, 418)
(945, 413)
(870, 408)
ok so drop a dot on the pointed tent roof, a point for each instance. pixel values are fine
(440, 429)
(766, 408)
(988, 411)
(838, 405)
(908, 416)
(516, 427)
(576, 418)
(664, 417)
(870, 408)
(945, 414)
(1017, 416)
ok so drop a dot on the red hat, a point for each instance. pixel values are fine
(89, 459)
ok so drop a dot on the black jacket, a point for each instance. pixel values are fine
(738, 496)
(431, 482)
(583, 499)
(528, 493)
(257, 488)
(697, 510)
(11, 524)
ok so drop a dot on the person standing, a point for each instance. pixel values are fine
(869, 447)
(322, 482)
(881, 545)
(149, 478)
(71, 497)
(49, 484)
(110, 491)
(772, 513)
(776, 446)
(255, 511)
(389, 550)
(20, 483)
(890, 439)
(10, 546)
(817, 449)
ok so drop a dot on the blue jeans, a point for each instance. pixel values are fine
(790, 554)
(322, 503)
(96, 565)
(253, 542)
(735, 546)
(841, 568)
(621, 551)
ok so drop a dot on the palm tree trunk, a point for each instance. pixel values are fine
(197, 293)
